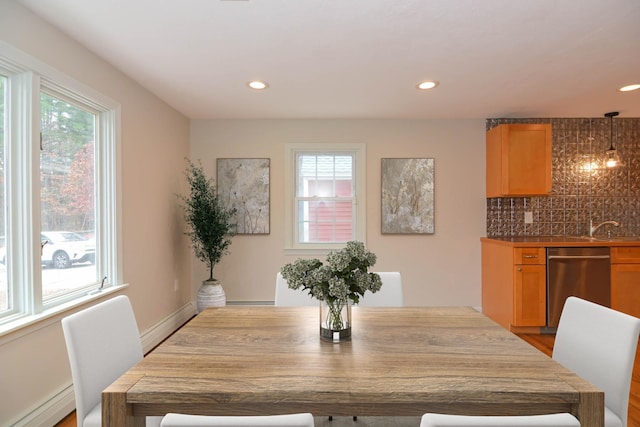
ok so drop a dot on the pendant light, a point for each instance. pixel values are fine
(612, 159)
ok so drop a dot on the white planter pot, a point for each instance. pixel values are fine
(211, 294)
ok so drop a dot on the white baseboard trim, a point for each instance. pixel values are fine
(161, 330)
(50, 411)
(250, 303)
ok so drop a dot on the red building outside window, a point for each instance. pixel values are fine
(325, 198)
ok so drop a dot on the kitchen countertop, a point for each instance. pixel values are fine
(565, 241)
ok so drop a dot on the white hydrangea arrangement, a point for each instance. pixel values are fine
(346, 274)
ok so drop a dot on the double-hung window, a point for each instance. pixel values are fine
(58, 180)
(326, 195)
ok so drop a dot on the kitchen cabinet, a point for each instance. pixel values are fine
(514, 278)
(530, 293)
(625, 279)
(518, 160)
(514, 286)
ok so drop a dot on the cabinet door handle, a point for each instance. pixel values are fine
(578, 257)
(529, 256)
(519, 269)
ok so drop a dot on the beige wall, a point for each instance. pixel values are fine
(155, 141)
(438, 269)
(443, 268)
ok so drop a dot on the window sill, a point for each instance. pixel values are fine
(27, 324)
(307, 252)
(317, 249)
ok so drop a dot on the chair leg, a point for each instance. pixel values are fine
(330, 417)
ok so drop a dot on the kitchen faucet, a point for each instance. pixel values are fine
(593, 229)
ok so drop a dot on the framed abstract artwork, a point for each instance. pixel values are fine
(243, 184)
(408, 196)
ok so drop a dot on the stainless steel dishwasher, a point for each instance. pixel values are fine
(584, 272)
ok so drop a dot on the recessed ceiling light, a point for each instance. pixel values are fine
(258, 85)
(629, 87)
(428, 84)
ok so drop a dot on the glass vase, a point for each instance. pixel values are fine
(335, 320)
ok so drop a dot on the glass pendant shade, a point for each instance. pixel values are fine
(612, 160)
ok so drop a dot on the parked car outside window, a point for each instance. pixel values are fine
(61, 249)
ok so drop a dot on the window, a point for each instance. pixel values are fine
(324, 197)
(67, 196)
(326, 201)
(4, 297)
(58, 180)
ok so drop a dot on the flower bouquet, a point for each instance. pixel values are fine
(342, 281)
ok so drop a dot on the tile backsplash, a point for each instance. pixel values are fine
(579, 194)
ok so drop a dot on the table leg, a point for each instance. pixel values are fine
(115, 409)
(590, 408)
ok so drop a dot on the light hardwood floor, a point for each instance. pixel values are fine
(542, 342)
(68, 421)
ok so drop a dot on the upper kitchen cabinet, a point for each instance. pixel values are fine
(519, 160)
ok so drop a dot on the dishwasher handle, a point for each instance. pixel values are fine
(578, 257)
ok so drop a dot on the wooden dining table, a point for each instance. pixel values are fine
(400, 361)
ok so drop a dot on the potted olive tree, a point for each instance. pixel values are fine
(210, 229)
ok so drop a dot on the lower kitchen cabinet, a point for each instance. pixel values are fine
(514, 281)
(530, 295)
(625, 279)
(514, 285)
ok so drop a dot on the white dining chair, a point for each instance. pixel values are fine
(595, 342)
(389, 295)
(103, 342)
(287, 297)
(599, 344)
(550, 420)
(288, 420)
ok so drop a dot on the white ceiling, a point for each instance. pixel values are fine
(363, 58)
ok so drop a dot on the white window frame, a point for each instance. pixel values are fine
(292, 150)
(26, 78)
